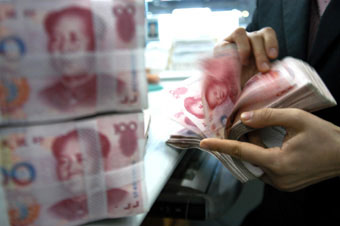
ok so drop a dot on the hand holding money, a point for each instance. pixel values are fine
(309, 153)
(255, 49)
(290, 83)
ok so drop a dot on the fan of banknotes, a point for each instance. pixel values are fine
(210, 105)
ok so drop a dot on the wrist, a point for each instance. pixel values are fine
(330, 156)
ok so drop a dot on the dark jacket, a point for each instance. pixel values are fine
(318, 204)
(290, 20)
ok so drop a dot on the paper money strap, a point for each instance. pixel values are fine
(3, 208)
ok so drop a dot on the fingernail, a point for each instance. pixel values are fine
(265, 66)
(273, 52)
(246, 116)
(202, 144)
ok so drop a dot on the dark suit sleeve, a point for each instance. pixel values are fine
(254, 25)
(269, 14)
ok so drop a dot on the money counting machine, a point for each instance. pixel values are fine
(200, 188)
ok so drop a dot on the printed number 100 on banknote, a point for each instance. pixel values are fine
(72, 173)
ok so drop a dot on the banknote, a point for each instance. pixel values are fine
(185, 105)
(290, 83)
(220, 87)
(74, 172)
(70, 58)
(206, 100)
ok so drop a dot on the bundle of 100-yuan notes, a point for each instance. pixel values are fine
(210, 105)
(72, 92)
(70, 58)
(73, 172)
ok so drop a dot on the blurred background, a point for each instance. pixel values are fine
(178, 32)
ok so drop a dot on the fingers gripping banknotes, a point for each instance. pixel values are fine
(74, 172)
(290, 83)
(71, 58)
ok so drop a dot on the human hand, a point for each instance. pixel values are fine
(256, 49)
(310, 152)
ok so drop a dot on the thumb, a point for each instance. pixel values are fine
(287, 117)
(242, 150)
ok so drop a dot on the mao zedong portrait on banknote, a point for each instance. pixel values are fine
(72, 46)
(194, 106)
(70, 169)
(221, 81)
(216, 92)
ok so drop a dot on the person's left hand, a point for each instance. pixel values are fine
(310, 152)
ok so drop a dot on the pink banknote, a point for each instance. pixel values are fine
(186, 107)
(220, 87)
(72, 173)
(70, 58)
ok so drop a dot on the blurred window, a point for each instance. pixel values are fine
(180, 32)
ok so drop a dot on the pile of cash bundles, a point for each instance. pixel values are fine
(72, 94)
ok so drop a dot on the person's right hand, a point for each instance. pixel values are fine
(310, 152)
(255, 49)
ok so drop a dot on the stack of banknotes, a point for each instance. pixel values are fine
(72, 94)
(70, 58)
(210, 105)
(73, 172)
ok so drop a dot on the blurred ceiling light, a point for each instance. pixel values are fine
(245, 13)
(191, 11)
